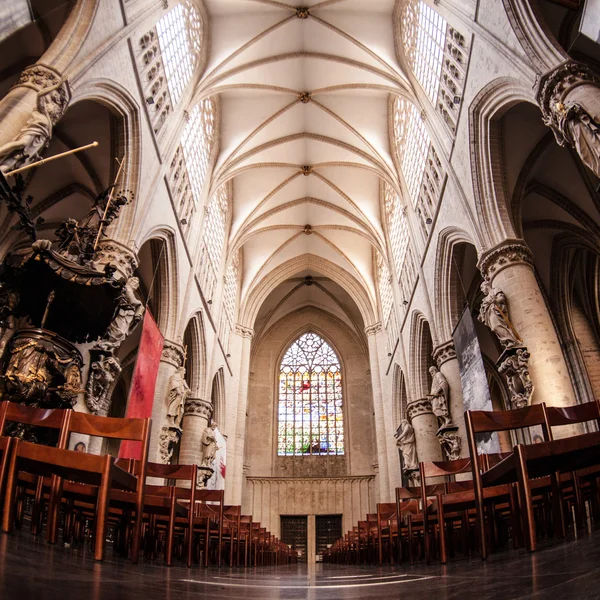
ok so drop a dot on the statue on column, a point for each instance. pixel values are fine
(128, 314)
(580, 130)
(439, 395)
(209, 445)
(406, 442)
(179, 390)
(103, 373)
(36, 133)
(494, 313)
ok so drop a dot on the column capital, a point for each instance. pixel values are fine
(419, 407)
(554, 86)
(373, 329)
(197, 407)
(40, 77)
(173, 353)
(505, 254)
(444, 352)
(121, 257)
(245, 332)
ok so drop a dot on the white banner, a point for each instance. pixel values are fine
(217, 481)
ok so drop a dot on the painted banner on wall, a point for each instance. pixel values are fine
(143, 384)
(217, 481)
(476, 391)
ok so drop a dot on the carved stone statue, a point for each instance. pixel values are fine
(405, 440)
(8, 302)
(178, 393)
(450, 442)
(515, 369)
(103, 373)
(580, 130)
(440, 394)
(209, 445)
(128, 314)
(167, 441)
(36, 133)
(494, 313)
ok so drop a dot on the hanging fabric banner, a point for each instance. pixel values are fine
(141, 392)
(217, 481)
(476, 391)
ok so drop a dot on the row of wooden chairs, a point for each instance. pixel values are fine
(486, 500)
(100, 495)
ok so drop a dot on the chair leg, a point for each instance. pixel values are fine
(101, 514)
(442, 526)
(525, 486)
(11, 489)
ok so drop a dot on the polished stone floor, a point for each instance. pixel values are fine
(29, 569)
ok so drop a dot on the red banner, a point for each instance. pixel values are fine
(141, 392)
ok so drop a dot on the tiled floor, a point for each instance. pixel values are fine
(29, 569)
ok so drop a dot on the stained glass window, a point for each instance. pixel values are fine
(310, 399)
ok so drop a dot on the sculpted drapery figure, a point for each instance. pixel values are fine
(577, 127)
(179, 390)
(405, 440)
(209, 445)
(36, 133)
(494, 313)
(128, 314)
(440, 394)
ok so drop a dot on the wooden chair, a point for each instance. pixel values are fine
(208, 523)
(99, 471)
(12, 412)
(586, 476)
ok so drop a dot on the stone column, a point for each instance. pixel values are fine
(509, 267)
(197, 413)
(233, 487)
(380, 429)
(29, 113)
(569, 97)
(445, 357)
(425, 424)
(171, 360)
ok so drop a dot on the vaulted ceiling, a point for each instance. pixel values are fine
(305, 134)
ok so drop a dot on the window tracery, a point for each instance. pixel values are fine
(166, 57)
(191, 161)
(215, 225)
(423, 36)
(419, 162)
(230, 294)
(438, 55)
(310, 399)
(397, 224)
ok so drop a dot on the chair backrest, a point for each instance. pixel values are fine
(386, 511)
(447, 468)
(13, 412)
(135, 430)
(569, 415)
(482, 421)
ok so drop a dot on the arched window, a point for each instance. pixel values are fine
(438, 56)
(420, 165)
(310, 399)
(191, 161)
(397, 225)
(423, 35)
(215, 226)
(180, 39)
(166, 58)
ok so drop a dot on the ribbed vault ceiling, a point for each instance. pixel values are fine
(304, 130)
